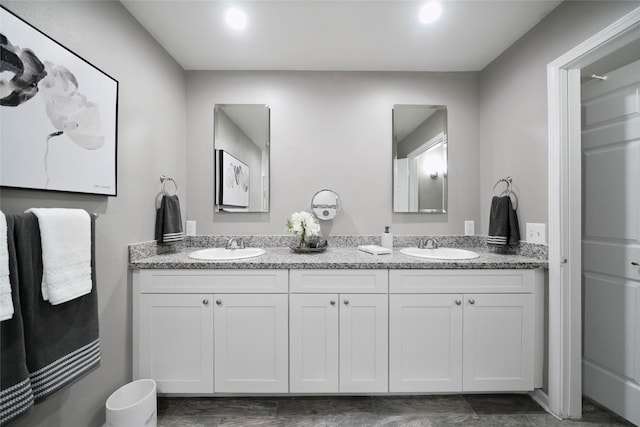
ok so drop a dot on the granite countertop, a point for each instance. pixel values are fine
(337, 258)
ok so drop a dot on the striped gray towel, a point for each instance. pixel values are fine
(169, 221)
(503, 223)
(16, 395)
(61, 341)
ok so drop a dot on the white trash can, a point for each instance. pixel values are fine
(133, 405)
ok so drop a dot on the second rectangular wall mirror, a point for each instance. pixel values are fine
(241, 159)
(420, 158)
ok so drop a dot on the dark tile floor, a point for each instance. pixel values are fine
(419, 411)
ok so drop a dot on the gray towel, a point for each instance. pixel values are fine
(61, 341)
(169, 221)
(503, 223)
(16, 396)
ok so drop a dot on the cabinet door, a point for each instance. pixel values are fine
(425, 343)
(498, 342)
(251, 343)
(314, 343)
(176, 342)
(364, 343)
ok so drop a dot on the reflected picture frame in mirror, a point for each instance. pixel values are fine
(241, 157)
(419, 156)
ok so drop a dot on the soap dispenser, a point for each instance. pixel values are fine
(387, 238)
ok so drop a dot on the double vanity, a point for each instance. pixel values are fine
(339, 322)
(242, 316)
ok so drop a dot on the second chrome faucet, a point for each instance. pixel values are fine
(429, 243)
(235, 243)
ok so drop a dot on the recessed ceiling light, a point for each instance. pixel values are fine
(430, 12)
(236, 18)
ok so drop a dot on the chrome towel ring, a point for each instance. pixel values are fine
(164, 180)
(508, 191)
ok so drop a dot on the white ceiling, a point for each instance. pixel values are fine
(337, 35)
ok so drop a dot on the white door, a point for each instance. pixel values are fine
(611, 241)
(364, 347)
(498, 342)
(251, 343)
(425, 343)
(313, 343)
(176, 342)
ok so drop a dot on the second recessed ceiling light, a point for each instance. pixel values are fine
(236, 18)
(430, 12)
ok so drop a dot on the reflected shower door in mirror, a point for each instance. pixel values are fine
(241, 165)
(420, 158)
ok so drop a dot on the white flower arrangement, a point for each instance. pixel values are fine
(303, 224)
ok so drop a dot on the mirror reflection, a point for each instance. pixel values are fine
(420, 158)
(241, 170)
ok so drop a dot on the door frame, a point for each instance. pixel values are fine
(564, 397)
(412, 157)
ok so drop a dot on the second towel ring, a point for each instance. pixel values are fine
(508, 191)
(163, 180)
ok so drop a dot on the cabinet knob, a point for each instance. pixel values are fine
(219, 302)
(346, 302)
(472, 301)
(205, 301)
(332, 302)
(458, 302)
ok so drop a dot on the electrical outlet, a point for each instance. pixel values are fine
(190, 228)
(469, 228)
(537, 233)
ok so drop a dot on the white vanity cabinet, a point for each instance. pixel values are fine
(211, 331)
(425, 343)
(175, 342)
(339, 331)
(251, 343)
(498, 342)
(457, 330)
(358, 331)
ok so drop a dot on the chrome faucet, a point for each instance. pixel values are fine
(235, 243)
(429, 243)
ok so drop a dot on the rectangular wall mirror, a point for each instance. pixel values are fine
(241, 152)
(420, 158)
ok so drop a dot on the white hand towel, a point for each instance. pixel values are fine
(6, 302)
(66, 253)
(375, 249)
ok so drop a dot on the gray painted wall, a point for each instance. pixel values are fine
(151, 130)
(513, 105)
(333, 130)
(328, 130)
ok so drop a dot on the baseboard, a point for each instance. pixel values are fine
(542, 399)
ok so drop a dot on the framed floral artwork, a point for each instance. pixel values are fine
(58, 115)
(232, 181)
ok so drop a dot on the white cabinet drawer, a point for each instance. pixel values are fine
(339, 281)
(461, 281)
(212, 281)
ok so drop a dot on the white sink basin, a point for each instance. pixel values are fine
(222, 254)
(440, 253)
